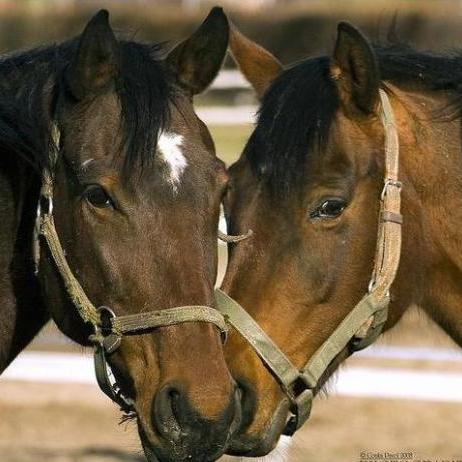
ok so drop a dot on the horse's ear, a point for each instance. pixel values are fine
(258, 65)
(355, 70)
(196, 61)
(95, 62)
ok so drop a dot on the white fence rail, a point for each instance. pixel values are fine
(377, 382)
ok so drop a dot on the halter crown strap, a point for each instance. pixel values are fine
(364, 323)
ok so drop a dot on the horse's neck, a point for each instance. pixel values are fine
(431, 170)
(21, 311)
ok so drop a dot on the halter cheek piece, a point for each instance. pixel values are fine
(363, 324)
(108, 328)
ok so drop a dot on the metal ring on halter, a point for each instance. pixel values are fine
(104, 333)
(389, 182)
(106, 310)
(49, 206)
(371, 285)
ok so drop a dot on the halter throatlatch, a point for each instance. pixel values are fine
(229, 239)
(364, 323)
(108, 329)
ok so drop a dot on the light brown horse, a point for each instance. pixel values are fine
(309, 183)
(137, 190)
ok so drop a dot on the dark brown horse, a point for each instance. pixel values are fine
(309, 185)
(137, 189)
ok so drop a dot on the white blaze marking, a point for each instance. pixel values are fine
(169, 145)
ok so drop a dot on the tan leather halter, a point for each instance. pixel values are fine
(108, 328)
(364, 322)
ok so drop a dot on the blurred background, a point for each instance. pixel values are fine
(404, 394)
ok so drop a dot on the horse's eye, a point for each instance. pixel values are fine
(98, 197)
(329, 208)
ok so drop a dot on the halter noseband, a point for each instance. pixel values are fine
(363, 324)
(108, 329)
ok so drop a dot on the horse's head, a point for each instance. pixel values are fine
(137, 191)
(308, 184)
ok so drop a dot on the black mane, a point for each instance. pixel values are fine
(31, 80)
(297, 110)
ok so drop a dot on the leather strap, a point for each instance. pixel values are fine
(278, 363)
(229, 239)
(344, 333)
(86, 309)
(139, 322)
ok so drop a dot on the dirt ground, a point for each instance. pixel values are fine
(75, 423)
(79, 425)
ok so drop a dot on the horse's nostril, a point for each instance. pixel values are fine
(185, 431)
(237, 419)
(165, 418)
(248, 403)
(173, 393)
